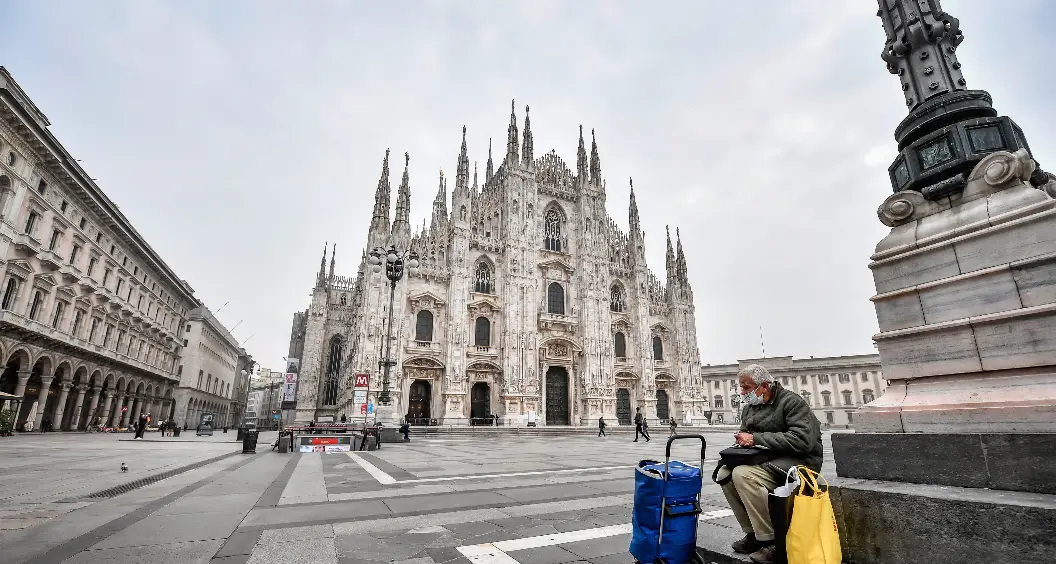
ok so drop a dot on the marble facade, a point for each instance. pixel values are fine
(529, 300)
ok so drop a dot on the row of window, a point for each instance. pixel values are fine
(78, 244)
(135, 346)
(484, 283)
(215, 387)
(423, 332)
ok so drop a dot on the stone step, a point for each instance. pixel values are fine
(657, 432)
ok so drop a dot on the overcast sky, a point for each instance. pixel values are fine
(240, 136)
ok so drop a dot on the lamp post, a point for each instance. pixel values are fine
(394, 262)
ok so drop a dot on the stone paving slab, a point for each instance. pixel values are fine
(416, 505)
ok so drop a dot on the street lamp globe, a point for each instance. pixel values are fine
(374, 259)
(376, 268)
(391, 257)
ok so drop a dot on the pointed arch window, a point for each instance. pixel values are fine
(555, 299)
(619, 342)
(482, 332)
(552, 231)
(483, 279)
(658, 348)
(616, 302)
(423, 326)
(333, 370)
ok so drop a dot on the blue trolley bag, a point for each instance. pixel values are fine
(666, 506)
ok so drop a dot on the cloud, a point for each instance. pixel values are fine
(240, 136)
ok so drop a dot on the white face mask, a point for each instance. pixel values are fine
(752, 398)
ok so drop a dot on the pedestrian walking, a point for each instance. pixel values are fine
(640, 425)
(674, 426)
(601, 426)
(141, 426)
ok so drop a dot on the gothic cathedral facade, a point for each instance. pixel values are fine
(529, 304)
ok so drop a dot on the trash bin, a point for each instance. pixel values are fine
(249, 443)
(176, 431)
(284, 443)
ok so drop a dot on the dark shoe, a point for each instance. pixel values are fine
(765, 555)
(747, 545)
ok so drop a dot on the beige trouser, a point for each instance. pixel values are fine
(747, 494)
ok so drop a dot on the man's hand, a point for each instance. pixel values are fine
(744, 439)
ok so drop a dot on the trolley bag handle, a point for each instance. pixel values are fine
(683, 509)
(673, 438)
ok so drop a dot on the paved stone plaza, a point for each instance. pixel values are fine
(505, 500)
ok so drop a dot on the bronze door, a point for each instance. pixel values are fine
(480, 403)
(418, 403)
(662, 407)
(557, 396)
(623, 406)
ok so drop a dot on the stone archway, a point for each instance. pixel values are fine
(428, 371)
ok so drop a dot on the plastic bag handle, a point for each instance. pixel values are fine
(809, 476)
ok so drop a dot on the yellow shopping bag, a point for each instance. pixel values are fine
(813, 537)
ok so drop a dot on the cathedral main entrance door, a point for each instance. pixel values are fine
(662, 407)
(418, 401)
(480, 404)
(623, 406)
(557, 396)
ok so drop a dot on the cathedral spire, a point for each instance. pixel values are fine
(512, 142)
(680, 258)
(380, 221)
(526, 151)
(462, 174)
(490, 171)
(403, 201)
(581, 158)
(670, 257)
(595, 161)
(440, 203)
(474, 177)
(333, 259)
(320, 280)
(632, 219)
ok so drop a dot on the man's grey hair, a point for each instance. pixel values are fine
(757, 373)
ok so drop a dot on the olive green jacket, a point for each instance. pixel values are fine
(787, 426)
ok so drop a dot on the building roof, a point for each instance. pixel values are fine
(787, 363)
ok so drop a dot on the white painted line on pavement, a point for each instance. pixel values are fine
(497, 553)
(374, 471)
(510, 475)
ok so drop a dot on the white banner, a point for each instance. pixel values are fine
(289, 388)
(360, 397)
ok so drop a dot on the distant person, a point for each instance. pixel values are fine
(674, 426)
(141, 426)
(344, 419)
(640, 425)
(601, 426)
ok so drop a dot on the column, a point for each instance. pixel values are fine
(91, 408)
(116, 419)
(75, 421)
(42, 399)
(60, 406)
(126, 418)
(106, 408)
(23, 379)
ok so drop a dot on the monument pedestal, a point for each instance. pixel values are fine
(956, 462)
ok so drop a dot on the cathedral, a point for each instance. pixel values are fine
(529, 305)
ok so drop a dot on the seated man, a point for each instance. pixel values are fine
(781, 421)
